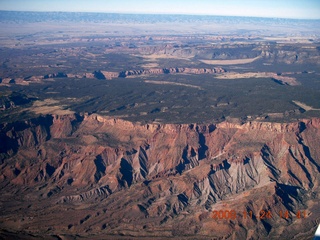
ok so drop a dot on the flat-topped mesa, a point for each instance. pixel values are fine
(171, 71)
(102, 75)
(280, 79)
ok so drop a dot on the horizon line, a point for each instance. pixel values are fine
(160, 13)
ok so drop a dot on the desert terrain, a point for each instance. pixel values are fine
(119, 126)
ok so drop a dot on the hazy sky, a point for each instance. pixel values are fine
(257, 8)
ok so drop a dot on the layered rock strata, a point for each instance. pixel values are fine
(110, 176)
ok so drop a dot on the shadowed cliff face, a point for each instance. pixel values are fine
(110, 176)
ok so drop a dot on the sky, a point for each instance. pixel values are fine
(300, 9)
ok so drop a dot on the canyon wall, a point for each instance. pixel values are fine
(153, 176)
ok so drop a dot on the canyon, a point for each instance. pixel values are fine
(113, 177)
(129, 126)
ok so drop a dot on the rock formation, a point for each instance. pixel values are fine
(102, 75)
(171, 70)
(115, 177)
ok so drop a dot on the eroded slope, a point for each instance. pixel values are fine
(96, 176)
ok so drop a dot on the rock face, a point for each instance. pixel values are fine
(91, 175)
(171, 70)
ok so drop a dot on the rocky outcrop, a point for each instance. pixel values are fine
(55, 75)
(171, 71)
(64, 125)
